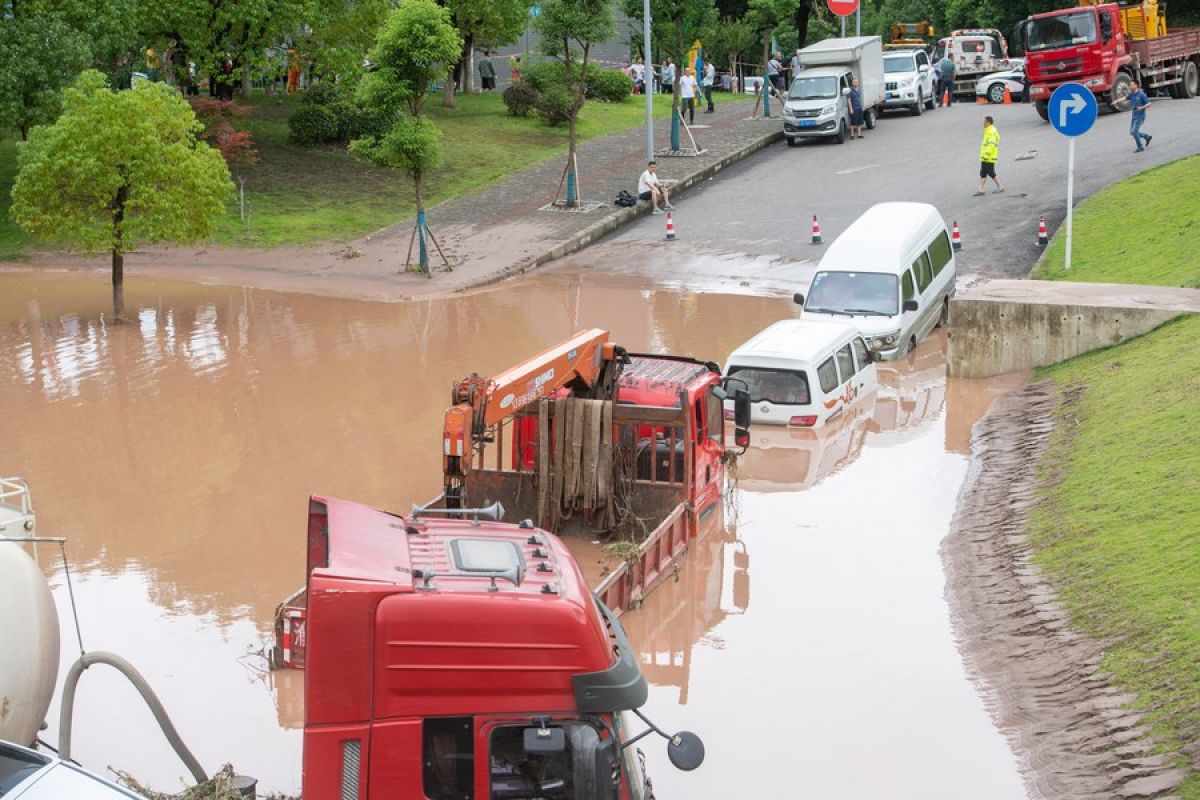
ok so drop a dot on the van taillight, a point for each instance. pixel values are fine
(803, 422)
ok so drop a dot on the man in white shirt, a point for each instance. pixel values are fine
(710, 75)
(796, 67)
(651, 190)
(687, 94)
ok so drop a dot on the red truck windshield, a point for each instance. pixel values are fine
(1052, 33)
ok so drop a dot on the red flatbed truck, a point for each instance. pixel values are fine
(1105, 47)
(451, 658)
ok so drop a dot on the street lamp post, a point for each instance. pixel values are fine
(648, 80)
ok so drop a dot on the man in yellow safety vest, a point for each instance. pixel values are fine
(989, 154)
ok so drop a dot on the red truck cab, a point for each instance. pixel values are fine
(1083, 45)
(452, 658)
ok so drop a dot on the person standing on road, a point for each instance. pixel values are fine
(710, 75)
(989, 154)
(651, 190)
(668, 77)
(1139, 102)
(773, 68)
(687, 94)
(856, 111)
(946, 68)
(795, 66)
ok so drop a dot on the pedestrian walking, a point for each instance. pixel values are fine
(687, 94)
(653, 191)
(668, 76)
(487, 72)
(1139, 101)
(856, 111)
(946, 69)
(773, 68)
(710, 75)
(989, 154)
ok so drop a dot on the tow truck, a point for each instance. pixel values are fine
(469, 651)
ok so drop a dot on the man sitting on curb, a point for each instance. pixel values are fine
(649, 188)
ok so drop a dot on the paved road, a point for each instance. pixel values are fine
(763, 206)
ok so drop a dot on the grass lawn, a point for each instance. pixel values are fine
(1141, 230)
(299, 195)
(1118, 526)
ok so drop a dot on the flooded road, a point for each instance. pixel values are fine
(177, 454)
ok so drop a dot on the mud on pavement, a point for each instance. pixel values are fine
(1071, 729)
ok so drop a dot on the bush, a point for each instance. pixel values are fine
(545, 74)
(355, 121)
(323, 93)
(312, 125)
(521, 99)
(555, 105)
(609, 85)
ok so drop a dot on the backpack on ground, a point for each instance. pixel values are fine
(624, 198)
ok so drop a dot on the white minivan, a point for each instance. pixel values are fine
(802, 372)
(891, 273)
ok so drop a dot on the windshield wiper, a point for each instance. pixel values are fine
(867, 311)
(824, 311)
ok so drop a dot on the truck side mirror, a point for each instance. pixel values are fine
(1106, 28)
(741, 408)
(686, 751)
(798, 299)
(911, 305)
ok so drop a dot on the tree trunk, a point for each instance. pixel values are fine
(468, 62)
(246, 87)
(802, 13)
(242, 197)
(118, 254)
(448, 90)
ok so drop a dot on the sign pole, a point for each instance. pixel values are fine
(843, 27)
(648, 80)
(858, 20)
(1070, 195)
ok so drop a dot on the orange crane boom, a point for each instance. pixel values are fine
(587, 363)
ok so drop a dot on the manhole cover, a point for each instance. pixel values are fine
(1009, 293)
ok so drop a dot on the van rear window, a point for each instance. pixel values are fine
(778, 386)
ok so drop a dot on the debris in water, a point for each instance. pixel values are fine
(221, 786)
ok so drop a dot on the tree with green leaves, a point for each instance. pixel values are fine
(489, 22)
(118, 170)
(675, 24)
(568, 29)
(414, 46)
(40, 54)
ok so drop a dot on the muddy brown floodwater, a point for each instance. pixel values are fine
(806, 638)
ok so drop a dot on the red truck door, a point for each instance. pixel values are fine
(709, 470)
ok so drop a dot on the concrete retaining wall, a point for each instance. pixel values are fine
(1004, 326)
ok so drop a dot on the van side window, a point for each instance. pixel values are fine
(860, 353)
(907, 284)
(845, 363)
(449, 756)
(827, 374)
(921, 270)
(939, 252)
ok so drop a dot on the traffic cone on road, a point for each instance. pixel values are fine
(670, 228)
(955, 236)
(946, 98)
(816, 231)
(981, 100)
(1042, 237)
(1007, 97)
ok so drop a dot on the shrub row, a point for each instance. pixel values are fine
(328, 115)
(544, 91)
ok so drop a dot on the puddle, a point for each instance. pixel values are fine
(177, 454)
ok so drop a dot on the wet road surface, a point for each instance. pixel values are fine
(177, 454)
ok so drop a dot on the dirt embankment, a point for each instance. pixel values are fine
(1071, 729)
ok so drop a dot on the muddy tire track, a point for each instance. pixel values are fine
(1072, 731)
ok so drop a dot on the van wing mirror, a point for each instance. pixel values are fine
(798, 299)
(911, 305)
(741, 408)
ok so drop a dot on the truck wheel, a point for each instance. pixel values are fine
(1043, 109)
(840, 138)
(869, 118)
(918, 106)
(1189, 87)
(995, 93)
(1118, 91)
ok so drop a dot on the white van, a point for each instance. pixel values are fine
(801, 372)
(891, 273)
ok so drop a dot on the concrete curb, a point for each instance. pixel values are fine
(612, 221)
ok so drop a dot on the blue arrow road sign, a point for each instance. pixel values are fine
(1072, 109)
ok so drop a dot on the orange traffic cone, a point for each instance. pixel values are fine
(670, 228)
(955, 236)
(946, 98)
(1043, 238)
(1007, 96)
(981, 100)
(816, 231)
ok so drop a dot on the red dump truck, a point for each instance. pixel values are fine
(451, 653)
(1106, 47)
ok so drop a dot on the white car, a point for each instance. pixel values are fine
(908, 81)
(29, 775)
(992, 86)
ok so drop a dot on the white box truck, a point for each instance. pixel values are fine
(817, 105)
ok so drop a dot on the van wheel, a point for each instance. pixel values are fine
(841, 134)
(944, 317)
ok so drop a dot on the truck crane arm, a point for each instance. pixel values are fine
(587, 363)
